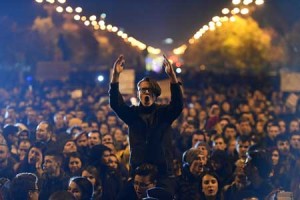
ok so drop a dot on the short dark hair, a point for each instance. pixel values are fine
(22, 184)
(147, 170)
(153, 84)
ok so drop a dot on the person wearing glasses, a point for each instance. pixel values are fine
(149, 122)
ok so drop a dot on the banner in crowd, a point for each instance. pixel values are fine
(290, 82)
(127, 81)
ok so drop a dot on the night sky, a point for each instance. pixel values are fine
(152, 21)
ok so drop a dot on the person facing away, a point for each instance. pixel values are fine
(149, 123)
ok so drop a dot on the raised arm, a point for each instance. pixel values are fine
(170, 71)
(117, 69)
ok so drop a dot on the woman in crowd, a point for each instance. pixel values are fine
(210, 186)
(81, 188)
(92, 174)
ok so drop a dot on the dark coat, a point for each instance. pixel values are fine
(150, 133)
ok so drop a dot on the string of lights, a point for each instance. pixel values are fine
(240, 7)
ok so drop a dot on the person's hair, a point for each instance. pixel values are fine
(243, 139)
(199, 132)
(229, 126)
(57, 155)
(21, 185)
(213, 174)
(62, 195)
(260, 159)
(282, 137)
(85, 187)
(95, 131)
(147, 170)
(49, 127)
(153, 85)
(95, 173)
(68, 158)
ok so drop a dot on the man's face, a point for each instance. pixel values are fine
(242, 148)
(294, 126)
(145, 94)
(94, 139)
(197, 138)
(42, 133)
(141, 185)
(273, 131)
(295, 141)
(3, 153)
(51, 166)
(283, 147)
(219, 144)
(82, 141)
(230, 132)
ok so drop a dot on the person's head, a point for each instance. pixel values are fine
(275, 156)
(99, 155)
(283, 144)
(35, 153)
(282, 126)
(52, 163)
(62, 195)
(113, 161)
(92, 174)
(204, 147)
(81, 188)
(294, 126)
(245, 126)
(58, 120)
(107, 139)
(229, 131)
(111, 120)
(4, 152)
(148, 91)
(198, 136)
(219, 143)
(44, 131)
(258, 166)
(273, 130)
(81, 139)
(94, 138)
(23, 148)
(69, 147)
(24, 186)
(295, 140)
(195, 160)
(209, 184)
(145, 177)
(242, 146)
(74, 162)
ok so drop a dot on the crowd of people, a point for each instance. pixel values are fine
(230, 142)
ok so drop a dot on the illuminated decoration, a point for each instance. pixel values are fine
(240, 7)
(154, 62)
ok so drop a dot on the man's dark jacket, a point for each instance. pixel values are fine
(149, 127)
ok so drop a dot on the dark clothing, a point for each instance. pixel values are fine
(49, 185)
(128, 192)
(8, 171)
(150, 133)
(187, 186)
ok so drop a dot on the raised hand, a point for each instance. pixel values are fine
(169, 70)
(118, 68)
